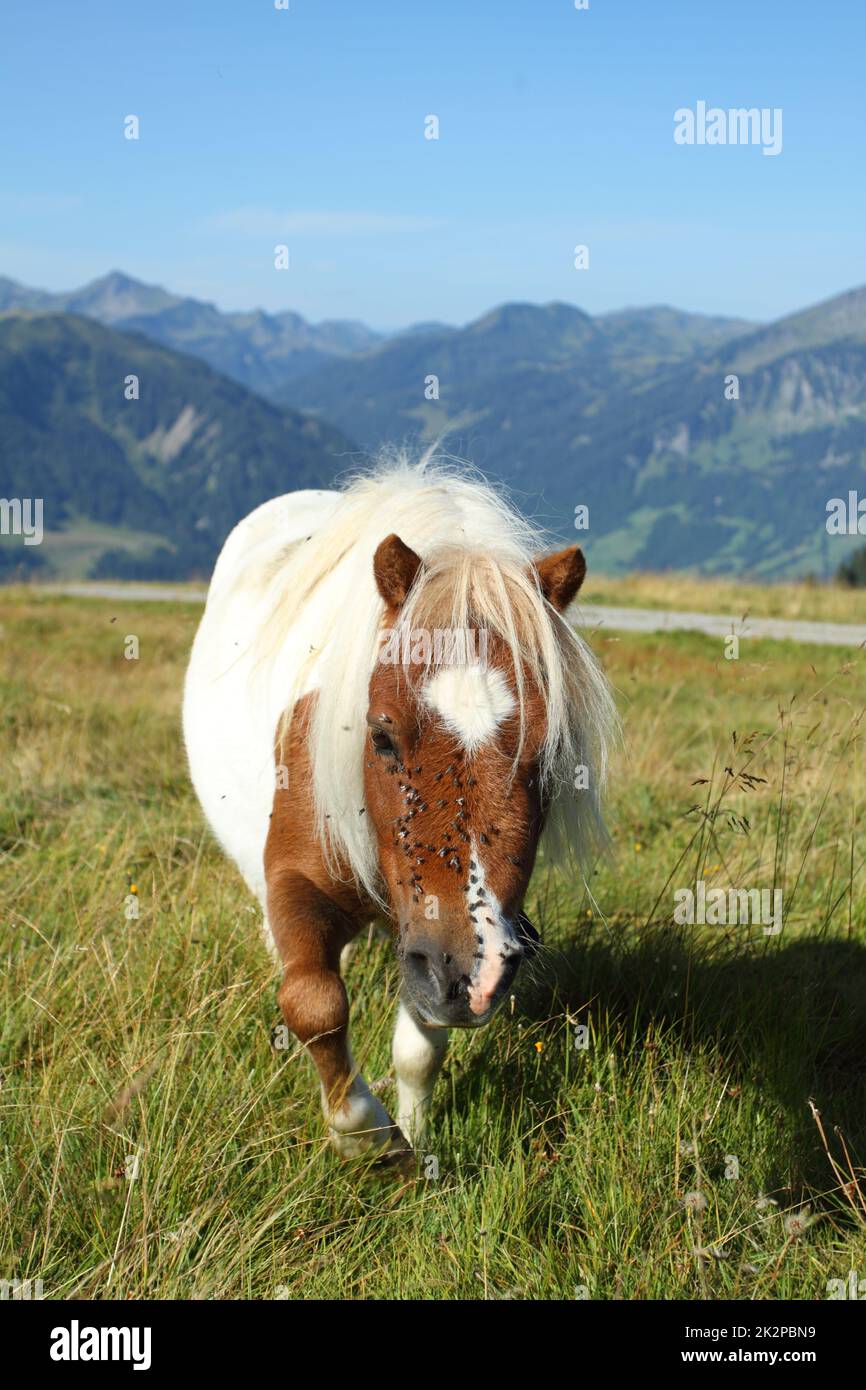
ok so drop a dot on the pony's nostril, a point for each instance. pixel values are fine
(435, 976)
(420, 969)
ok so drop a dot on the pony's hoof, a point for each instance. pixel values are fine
(399, 1157)
(388, 1148)
(361, 1127)
(367, 1144)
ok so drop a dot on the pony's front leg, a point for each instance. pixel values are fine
(310, 932)
(418, 1054)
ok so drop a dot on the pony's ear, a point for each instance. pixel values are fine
(561, 575)
(395, 567)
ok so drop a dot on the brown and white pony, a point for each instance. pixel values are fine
(384, 707)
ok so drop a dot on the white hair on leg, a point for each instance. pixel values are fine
(418, 1054)
(359, 1124)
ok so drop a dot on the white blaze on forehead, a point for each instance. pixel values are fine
(471, 700)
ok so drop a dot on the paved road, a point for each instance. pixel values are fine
(721, 625)
(592, 615)
(140, 593)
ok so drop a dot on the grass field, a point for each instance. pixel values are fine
(819, 603)
(708, 1141)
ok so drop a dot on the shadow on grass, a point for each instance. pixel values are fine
(788, 1020)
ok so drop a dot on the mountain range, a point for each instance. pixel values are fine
(259, 350)
(144, 458)
(693, 441)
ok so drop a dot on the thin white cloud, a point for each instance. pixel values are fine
(266, 222)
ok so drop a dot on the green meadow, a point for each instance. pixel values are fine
(663, 1110)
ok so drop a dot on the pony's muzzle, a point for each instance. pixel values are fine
(435, 979)
(445, 990)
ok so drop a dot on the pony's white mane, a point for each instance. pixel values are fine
(477, 573)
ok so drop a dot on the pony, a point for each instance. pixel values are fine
(384, 708)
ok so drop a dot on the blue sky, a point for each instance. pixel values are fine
(306, 127)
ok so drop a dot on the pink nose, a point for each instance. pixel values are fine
(498, 969)
(480, 1000)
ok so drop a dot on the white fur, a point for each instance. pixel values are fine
(361, 1124)
(418, 1053)
(229, 719)
(472, 701)
(498, 940)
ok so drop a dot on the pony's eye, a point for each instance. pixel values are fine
(382, 743)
